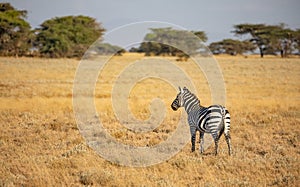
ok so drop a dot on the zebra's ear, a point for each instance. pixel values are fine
(180, 89)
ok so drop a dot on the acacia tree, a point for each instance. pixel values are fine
(168, 41)
(296, 42)
(106, 49)
(201, 35)
(68, 36)
(287, 40)
(260, 34)
(232, 47)
(15, 32)
(270, 39)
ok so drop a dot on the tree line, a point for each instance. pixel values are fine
(68, 36)
(71, 36)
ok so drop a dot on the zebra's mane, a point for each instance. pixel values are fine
(187, 91)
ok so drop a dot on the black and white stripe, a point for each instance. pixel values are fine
(214, 119)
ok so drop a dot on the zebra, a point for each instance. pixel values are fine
(214, 119)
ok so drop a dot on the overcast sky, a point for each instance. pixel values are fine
(214, 17)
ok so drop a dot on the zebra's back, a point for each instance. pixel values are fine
(211, 119)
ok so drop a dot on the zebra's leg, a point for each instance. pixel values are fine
(216, 140)
(193, 140)
(216, 147)
(193, 137)
(228, 138)
(201, 142)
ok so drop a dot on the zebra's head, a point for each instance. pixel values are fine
(178, 102)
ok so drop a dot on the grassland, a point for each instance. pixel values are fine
(40, 144)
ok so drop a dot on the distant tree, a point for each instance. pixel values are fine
(201, 35)
(15, 32)
(283, 40)
(171, 42)
(296, 42)
(68, 36)
(135, 50)
(261, 34)
(107, 49)
(232, 47)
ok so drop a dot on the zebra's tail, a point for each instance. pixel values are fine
(221, 131)
(226, 122)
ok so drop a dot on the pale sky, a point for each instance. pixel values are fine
(214, 17)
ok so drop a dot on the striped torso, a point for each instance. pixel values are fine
(207, 119)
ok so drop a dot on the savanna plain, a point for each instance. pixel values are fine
(41, 145)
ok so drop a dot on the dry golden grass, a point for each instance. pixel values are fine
(40, 144)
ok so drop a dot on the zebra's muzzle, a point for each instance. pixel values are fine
(174, 107)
